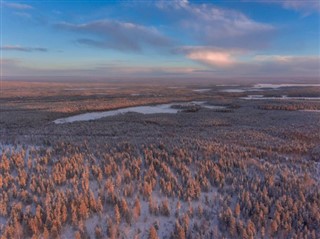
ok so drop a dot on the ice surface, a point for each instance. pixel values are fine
(283, 97)
(275, 86)
(147, 109)
(233, 90)
(201, 90)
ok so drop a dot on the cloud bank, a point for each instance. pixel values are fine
(228, 62)
(24, 49)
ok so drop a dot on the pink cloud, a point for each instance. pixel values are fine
(220, 59)
(212, 56)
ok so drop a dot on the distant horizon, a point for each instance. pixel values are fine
(166, 80)
(161, 40)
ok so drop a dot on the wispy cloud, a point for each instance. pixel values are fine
(24, 49)
(205, 24)
(278, 65)
(23, 15)
(124, 36)
(17, 6)
(304, 6)
(298, 62)
(288, 65)
(308, 5)
(215, 26)
(8, 61)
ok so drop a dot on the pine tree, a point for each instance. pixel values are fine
(165, 208)
(117, 215)
(137, 209)
(274, 227)
(64, 215)
(237, 210)
(83, 210)
(98, 232)
(153, 233)
(45, 233)
(77, 235)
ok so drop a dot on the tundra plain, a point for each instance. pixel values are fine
(219, 162)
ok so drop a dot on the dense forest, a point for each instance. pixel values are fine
(204, 189)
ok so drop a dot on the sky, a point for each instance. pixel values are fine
(160, 39)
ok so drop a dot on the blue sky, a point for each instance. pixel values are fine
(132, 39)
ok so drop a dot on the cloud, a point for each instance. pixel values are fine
(23, 68)
(23, 15)
(278, 66)
(124, 36)
(24, 49)
(307, 6)
(306, 64)
(219, 27)
(233, 62)
(310, 5)
(282, 65)
(284, 58)
(8, 61)
(210, 56)
(17, 6)
(11, 66)
(259, 66)
(198, 23)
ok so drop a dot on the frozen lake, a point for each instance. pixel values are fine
(275, 86)
(318, 111)
(283, 97)
(201, 90)
(233, 90)
(145, 109)
(90, 88)
(262, 87)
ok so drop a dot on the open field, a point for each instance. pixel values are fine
(220, 162)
